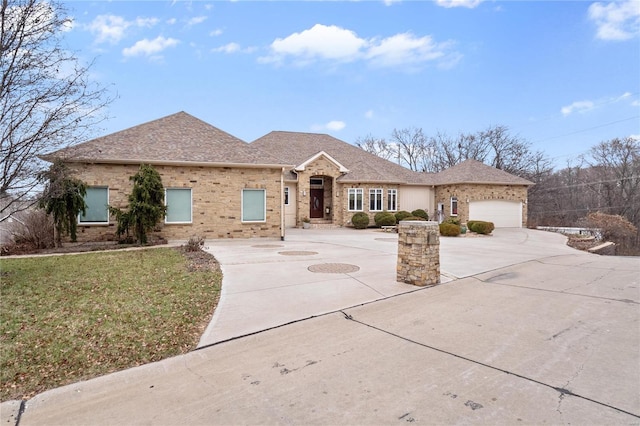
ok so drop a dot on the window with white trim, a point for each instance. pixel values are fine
(178, 202)
(454, 206)
(286, 195)
(375, 199)
(96, 200)
(254, 205)
(355, 199)
(392, 200)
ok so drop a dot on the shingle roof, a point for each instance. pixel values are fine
(473, 171)
(183, 138)
(295, 148)
(176, 138)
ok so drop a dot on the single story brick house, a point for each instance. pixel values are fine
(218, 186)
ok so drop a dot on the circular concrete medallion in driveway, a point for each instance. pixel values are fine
(334, 268)
(297, 253)
(268, 246)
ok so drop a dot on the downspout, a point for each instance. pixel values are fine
(282, 206)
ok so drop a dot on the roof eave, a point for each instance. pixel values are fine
(485, 183)
(169, 163)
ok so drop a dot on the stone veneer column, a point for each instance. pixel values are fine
(418, 253)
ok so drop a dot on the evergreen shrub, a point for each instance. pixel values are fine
(420, 213)
(360, 220)
(481, 226)
(385, 219)
(449, 229)
(401, 215)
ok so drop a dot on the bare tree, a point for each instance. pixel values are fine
(410, 147)
(615, 170)
(376, 146)
(47, 100)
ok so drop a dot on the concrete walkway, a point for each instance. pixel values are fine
(531, 332)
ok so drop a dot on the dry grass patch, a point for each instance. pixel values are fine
(70, 318)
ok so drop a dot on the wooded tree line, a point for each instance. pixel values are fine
(606, 178)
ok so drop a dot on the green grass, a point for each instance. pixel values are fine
(70, 318)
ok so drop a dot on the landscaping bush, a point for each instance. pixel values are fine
(452, 220)
(377, 216)
(195, 243)
(35, 232)
(360, 220)
(481, 226)
(385, 219)
(401, 215)
(420, 213)
(449, 229)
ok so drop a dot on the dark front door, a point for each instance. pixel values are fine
(317, 203)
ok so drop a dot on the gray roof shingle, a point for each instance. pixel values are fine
(178, 137)
(181, 137)
(295, 148)
(474, 171)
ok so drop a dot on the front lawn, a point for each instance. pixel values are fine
(70, 318)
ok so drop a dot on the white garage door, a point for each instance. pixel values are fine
(503, 214)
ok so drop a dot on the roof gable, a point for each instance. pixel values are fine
(362, 166)
(474, 171)
(339, 166)
(178, 137)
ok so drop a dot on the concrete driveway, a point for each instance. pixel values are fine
(268, 283)
(525, 331)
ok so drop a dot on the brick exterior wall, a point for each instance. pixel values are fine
(216, 194)
(329, 172)
(476, 192)
(346, 215)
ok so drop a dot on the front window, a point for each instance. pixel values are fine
(97, 201)
(375, 200)
(178, 201)
(392, 200)
(254, 205)
(355, 199)
(454, 206)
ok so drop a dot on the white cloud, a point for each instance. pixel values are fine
(405, 49)
(108, 28)
(148, 47)
(459, 3)
(391, 2)
(216, 32)
(332, 43)
(172, 21)
(636, 137)
(146, 22)
(319, 42)
(616, 20)
(369, 114)
(579, 106)
(635, 103)
(111, 28)
(232, 48)
(334, 125)
(196, 20)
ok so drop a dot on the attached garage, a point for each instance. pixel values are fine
(503, 214)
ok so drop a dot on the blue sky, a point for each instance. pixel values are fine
(563, 75)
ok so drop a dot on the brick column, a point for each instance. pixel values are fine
(418, 253)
